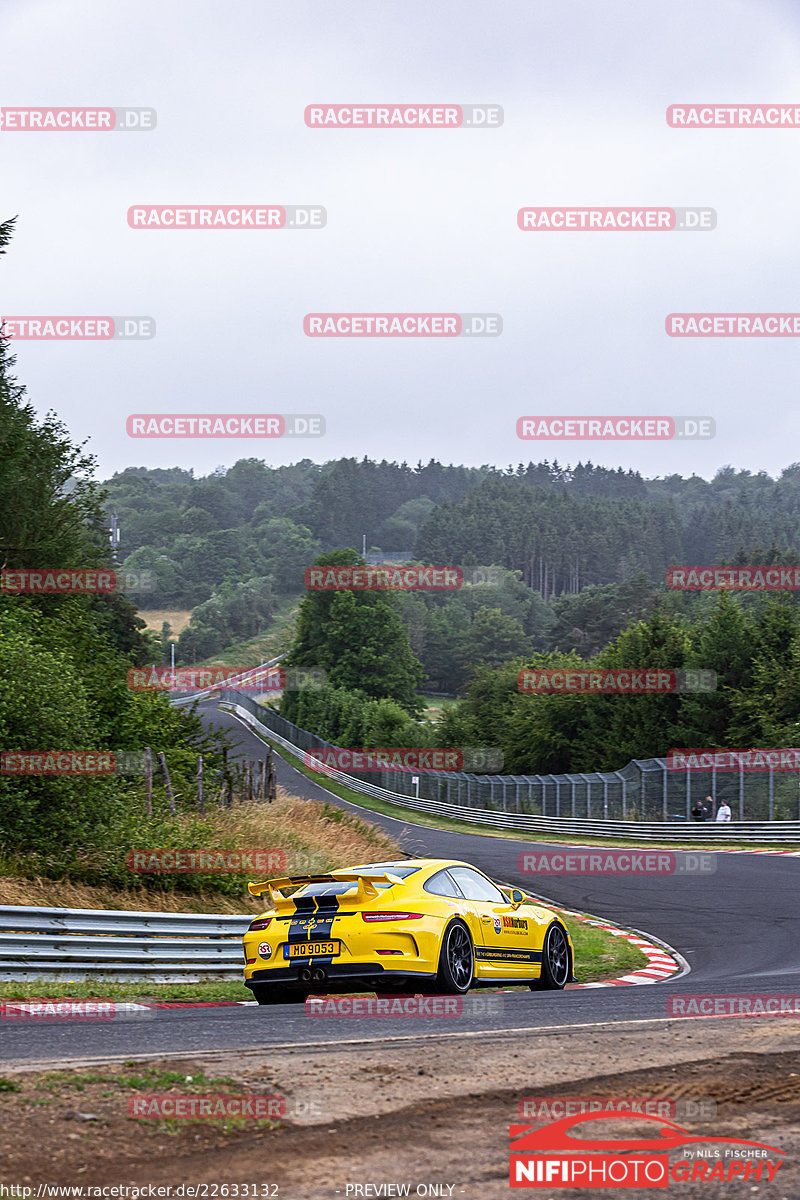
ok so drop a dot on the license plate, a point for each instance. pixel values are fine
(311, 949)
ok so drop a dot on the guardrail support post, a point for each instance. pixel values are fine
(771, 793)
(664, 791)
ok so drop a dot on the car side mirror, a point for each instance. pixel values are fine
(517, 897)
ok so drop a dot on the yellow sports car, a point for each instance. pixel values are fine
(424, 924)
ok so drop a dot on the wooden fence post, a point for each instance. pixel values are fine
(272, 782)
(148, 781)
(167, 782)
(226, 794)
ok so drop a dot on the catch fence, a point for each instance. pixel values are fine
(646, 790)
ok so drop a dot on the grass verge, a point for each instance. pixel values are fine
(277, 639)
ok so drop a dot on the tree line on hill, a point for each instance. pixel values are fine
(562, 528)
(751, 644)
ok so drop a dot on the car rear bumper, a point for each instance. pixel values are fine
(336, 974)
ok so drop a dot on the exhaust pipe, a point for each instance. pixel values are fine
(318, 975)
(304, 975)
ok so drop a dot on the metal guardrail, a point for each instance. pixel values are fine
(239, 676)
(41, 943)
(762, 831)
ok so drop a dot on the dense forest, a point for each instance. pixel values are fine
(563, 528)
(64, 660)
(581, 550)
(749, 645)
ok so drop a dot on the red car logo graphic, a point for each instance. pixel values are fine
(556, 1137)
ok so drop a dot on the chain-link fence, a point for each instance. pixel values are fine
(644, 790)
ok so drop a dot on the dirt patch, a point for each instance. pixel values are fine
(415, 1113)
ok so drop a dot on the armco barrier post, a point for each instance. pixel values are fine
(664, 791)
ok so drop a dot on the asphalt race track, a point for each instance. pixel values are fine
(736, 929)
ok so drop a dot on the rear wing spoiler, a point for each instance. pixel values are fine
(366, 889)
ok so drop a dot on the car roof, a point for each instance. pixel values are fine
(419, 863)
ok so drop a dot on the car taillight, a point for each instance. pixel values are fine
(261, 923)
(391, 916)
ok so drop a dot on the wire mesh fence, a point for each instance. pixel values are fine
(644, 790)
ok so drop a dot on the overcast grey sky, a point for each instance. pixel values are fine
(418, 221)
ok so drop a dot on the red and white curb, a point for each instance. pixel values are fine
(661, 963)
(791, 853)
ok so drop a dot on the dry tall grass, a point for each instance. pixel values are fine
(178, 618)
(316, 837)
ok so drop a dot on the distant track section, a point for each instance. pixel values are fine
(569, 827)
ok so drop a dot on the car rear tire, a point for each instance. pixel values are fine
(556, 964)
(278, 995)
(456, 961)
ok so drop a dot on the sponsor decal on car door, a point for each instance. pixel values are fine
(508, 942)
